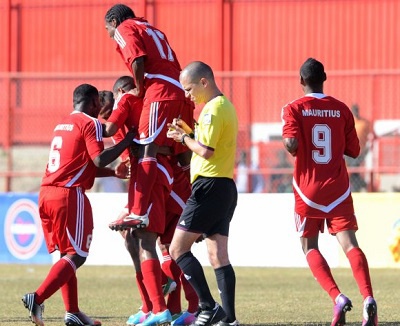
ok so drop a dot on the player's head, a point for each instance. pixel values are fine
(115, 16)
(123, 84)
(197, 79)
(86, 99)
(312, 73)
(355, 109)
(106, 103)
(106, 97)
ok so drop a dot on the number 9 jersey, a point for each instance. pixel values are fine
(324, 129)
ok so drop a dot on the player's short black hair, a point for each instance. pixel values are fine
(106, 97)
(84, 92)
(124, 82)
(313, 72)
(120, 13)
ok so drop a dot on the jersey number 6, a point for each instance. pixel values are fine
(54, 155)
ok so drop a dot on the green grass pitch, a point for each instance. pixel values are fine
(264, 296)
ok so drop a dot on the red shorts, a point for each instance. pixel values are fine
(67, 220)
(165, 171)
(176, 202)
(309, 227)
(154, 119)
(171, 221)
(159, 194)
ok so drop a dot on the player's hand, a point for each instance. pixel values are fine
(123, 170)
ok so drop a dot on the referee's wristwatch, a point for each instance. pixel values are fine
(183, 138)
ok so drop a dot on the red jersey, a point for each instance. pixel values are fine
(324, 128)
(126, 111)
(120, 135)
(76, 142)
(126, 115)
(137, 38)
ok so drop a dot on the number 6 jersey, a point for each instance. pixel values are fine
(324, 128)
(76, 142)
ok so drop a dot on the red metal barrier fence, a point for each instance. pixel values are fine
(255, 47)
(257, 97)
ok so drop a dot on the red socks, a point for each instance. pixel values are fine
(69, 292)
(190, 295)
(322, 273)
(359, 266)
(60, 274)
(172, 270)
(147, 306)
(151, 271)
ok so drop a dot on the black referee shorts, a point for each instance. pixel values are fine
(210, 207)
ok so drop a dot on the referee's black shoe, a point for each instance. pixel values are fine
(208, 317)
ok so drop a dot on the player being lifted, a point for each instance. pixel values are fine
(155, 70)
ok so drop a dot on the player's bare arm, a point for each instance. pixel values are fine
(109, 129)
(105, 172)
(291, 145)
(138, 77)
(110, 154)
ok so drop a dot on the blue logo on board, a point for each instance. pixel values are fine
(22, 229)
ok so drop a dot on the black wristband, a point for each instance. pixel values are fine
(183, 138)
(191, 135)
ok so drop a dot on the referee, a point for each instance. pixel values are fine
(210, 208)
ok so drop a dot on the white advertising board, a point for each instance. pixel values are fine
(262, 233)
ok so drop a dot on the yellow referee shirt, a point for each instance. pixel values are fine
(217, 129)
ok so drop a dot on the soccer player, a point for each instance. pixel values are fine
(164, 212)
(173, 279)
(155, 70)
(126, 114)
(77, 156)
(107, 104)
(318, 131)
(174, 206)
(213, 200)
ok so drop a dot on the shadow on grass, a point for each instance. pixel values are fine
(317, 324)
(108, 320)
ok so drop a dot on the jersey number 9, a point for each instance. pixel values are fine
(321, 138)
